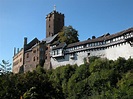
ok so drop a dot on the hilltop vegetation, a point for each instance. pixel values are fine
(68, 35)
(101, 79)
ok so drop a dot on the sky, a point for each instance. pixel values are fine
(26, 18)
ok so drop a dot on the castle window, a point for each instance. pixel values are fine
(113, 39)
(34, 51)
(87, 45)
(57, 52)
(20, 59)
(54, 52)
(97, 43)
(132, 34)
(33, 58)
(103, 42)
(46, 48)
(88, 54)
(27, 55)
(121, 37)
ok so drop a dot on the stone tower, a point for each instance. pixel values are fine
(54, 23)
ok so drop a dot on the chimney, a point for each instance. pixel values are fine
(25, 41)
(14, 51)
(18, 50)
(93, 37)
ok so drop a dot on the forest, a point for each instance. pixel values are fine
(98, 79)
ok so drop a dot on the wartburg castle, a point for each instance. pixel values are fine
(50, 54)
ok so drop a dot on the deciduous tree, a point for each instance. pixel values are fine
(68, 35)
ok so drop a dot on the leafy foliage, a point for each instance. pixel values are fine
(100, 79)
(30, 94)
(68, 35)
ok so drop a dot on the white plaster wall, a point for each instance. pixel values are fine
(122, 50)
(98, 53)
(112, 53)
(79, 59)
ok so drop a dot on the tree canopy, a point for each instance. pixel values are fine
(68, 35)
(100, 79)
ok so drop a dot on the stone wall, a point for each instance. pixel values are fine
(18, 61)
(31, 59)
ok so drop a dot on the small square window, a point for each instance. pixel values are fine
(34, 51)
(34, 59)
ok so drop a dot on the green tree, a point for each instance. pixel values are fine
(125, 86)
(30, 94)
(60, 77)
(68, 35)
(5, 66)
(102, 79)
(8, 88)
(78, 84)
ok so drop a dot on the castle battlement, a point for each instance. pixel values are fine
(54, 12)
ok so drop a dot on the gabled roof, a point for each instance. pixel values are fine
(61, 45)
(120, 33)
(101, 38)
(32, 43)
(50, 39)
(55, 42)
